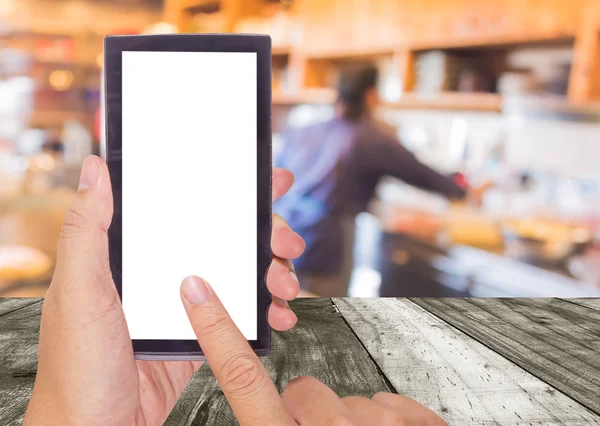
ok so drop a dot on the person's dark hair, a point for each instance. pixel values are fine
(354, 83)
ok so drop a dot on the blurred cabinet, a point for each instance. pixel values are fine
(347, 26)
(517, 19)
(340, 25)
(438, 23)
(584, 83)
(184, 13)
(328, 33)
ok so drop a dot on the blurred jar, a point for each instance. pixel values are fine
(12, 174)
(517, 82)
(78, 144)
(39, 178)
(44, 166)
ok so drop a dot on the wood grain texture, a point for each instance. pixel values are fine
(591, 302)
(19, 333)
(459, 378)
(320, 345)
(555, 340)
(8, 305)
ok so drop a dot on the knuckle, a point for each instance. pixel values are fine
(354, 399)
(391, 418)
(73, 223)
(108, 318)
(242, 375)
(380, 395)
(109, 302)
(301, 382)
(341, 421)
(104, 313)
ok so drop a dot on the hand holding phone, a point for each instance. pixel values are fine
(87, 372)
(86, 367)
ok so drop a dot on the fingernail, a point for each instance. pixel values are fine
(195, 290)
(89, 173)
(294, 277)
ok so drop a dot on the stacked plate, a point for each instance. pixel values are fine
(436, 71)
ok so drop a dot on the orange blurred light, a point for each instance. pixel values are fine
(60, 79)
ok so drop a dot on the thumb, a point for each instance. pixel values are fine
(83, 245)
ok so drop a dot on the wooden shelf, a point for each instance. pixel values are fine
(22, 31)
(465, 42)
(281, 50)
(200, 4)
(492, 42)
(57, 30)
(449, 101)
(336, 31)
(359, 53)
(487, 102)
(76, 63)
(307, 96)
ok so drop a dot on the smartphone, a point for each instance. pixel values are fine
(188, 146)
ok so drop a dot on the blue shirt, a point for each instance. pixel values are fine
(337, 165)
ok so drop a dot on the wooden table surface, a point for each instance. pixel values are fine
(473, 361)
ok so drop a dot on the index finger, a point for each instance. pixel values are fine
(245, 382)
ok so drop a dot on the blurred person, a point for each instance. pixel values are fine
(53, 144)
(337, 165)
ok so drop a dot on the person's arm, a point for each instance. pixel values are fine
(391, 158)
(281, 159)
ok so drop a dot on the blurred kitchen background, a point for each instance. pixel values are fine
(500, 94)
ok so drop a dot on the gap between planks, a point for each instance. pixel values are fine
(443, 368)
(592, 302)
(373, 360)
(10, 305)
(556, 341)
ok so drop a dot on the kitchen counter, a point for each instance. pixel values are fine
(410, 267)
(473, 361)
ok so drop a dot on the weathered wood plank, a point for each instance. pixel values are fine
(451, 373)
(430, 361)
(321, 345)
(19, 333)
(555, 340)
(7, 305)
(589, 302)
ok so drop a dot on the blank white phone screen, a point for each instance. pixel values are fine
(189, 187)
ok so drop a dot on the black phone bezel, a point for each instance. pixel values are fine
(114, 46)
